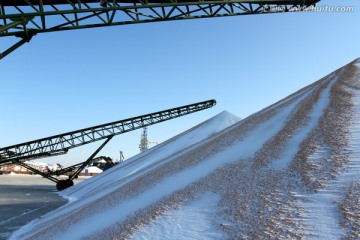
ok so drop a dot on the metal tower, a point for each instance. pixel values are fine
(144, 142)
(27, 18)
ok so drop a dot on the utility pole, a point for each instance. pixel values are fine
(122, 158)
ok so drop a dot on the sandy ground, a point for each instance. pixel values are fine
(264, 170)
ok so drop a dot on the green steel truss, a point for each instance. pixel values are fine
(26, 18)
(62, 143)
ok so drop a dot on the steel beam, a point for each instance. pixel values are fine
(61, 143)
(62, 15)
(88, 14)
(76, 2)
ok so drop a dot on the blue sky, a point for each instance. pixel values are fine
(70, 80)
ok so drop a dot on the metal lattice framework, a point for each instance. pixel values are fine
(61, 143)
(26, 18)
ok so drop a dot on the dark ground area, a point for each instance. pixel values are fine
(23, 199)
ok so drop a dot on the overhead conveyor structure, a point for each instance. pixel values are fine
(27, 18)
(62, 143)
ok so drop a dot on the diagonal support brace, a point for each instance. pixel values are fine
(14, 47)
(77, 172)
(25, 38)
(10, 25)
(36, 171)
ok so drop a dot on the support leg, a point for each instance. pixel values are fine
(77, 172)
(36, 171)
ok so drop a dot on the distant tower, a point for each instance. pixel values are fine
(144, 141)
(122, 158)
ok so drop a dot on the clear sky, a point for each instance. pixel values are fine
(65, 81)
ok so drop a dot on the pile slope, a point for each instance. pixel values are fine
(288, 171)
